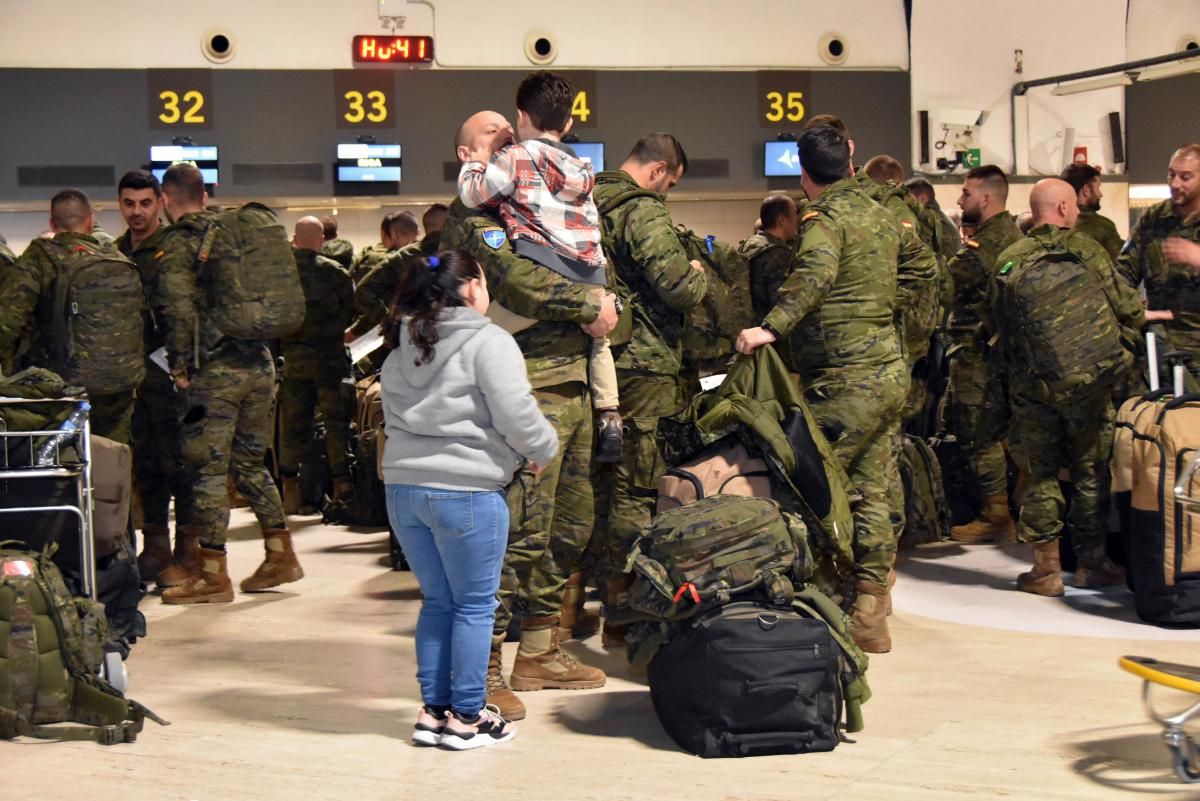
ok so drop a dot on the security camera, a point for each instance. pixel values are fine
(961, 117)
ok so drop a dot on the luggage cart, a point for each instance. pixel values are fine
(1185, 757)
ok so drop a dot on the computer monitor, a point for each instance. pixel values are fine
(359, 163)
(590, 151)
(203, 156)
(781, 159)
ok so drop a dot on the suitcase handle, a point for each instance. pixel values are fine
(1176, 402)
(760, 742)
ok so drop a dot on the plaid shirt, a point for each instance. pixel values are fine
(544, 193)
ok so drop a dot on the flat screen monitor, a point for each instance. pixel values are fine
(359, 163)
(781, 159)
(590, 151)
(203, 156)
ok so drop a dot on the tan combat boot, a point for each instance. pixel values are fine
(279, 566)
(209, 585)
(1046, 576)
(868, 618)
(616, 597)
(291, 495)
(156, 551)
(574, 620)
(994, 524)
(542, 665)
(1097, 574)
(343, 490)
(498, 694)
(187, 558)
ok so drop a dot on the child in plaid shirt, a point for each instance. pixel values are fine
(544, 194)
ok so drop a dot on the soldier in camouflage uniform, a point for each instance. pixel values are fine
(984, 193)
(1163, 253)
(550, 511)
(838, 306)
(333, 246)
(939, 227)
(229, 388)
(29, 312)
(157, 459)
(769, 252)
(397, 230)
(1085, 180)
(316, 368)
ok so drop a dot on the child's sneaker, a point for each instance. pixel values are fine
(611, 438)
(488, 728)
(430, 726)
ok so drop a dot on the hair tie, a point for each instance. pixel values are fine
(434, 261)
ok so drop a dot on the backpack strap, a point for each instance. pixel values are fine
(13, 725)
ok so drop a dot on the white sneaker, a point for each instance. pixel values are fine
(429, 727)
(489, 728)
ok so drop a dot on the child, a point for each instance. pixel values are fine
(460, 418)
(545, 197)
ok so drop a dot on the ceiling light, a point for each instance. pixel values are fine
(1077, 87)
(1185, 67)
(1149, 192)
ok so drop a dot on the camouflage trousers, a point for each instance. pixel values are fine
(112, 415)
(228, 422)
(550, 514)
(859, 410)
(968, 376)
(315, 379)
(157, 460)
(1045, 439)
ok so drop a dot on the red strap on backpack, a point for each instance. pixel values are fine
(689, 588)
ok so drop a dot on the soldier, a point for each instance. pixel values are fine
(229, 387)
(1085, 180)
(1048, 434)
(334, 247)
(1163, 252)
(315, 367)
(97, 342)
(157, 460)
(983, 199)
(839, 307)
(395, 231)
(551, 511)
(769, 252)
(662, 285)
(946, 229)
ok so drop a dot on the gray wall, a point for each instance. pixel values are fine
(1160, 116)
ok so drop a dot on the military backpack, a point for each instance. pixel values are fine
(1056, 318)
(51, 649)
(712, 326)
(926, 511)
(247, 267)
(93, 323)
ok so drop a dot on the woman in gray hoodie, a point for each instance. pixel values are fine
(460, 420)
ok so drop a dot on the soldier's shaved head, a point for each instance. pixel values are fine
(309, 234)
(882, 169)
(483, 129)
(1052, 202)
(70, 210)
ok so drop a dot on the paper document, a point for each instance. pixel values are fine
(159, 357)
(712, 381)
(365, 345)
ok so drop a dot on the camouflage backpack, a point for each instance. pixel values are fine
(712, 325)
(93, 323)
(246, 263)
(1056, 318)
(51, 649)
(926, 512)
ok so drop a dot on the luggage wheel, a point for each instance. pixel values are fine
(114, 672)
(1184, 754)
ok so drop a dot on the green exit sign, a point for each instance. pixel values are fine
(974, 159)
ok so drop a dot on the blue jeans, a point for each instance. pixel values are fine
(454, 541)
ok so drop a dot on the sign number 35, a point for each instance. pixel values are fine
(781, 106)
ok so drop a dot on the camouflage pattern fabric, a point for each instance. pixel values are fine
(340, 250)
(770, 260)
(968, 385)
(7, 257)
(712, 326)
(328, 301)
(368, 259)
(971, 270)
(374, 293)
(949, 239)
(1101, 229)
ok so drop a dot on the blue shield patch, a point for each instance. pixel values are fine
(494, 238)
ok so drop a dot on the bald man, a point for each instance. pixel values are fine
(315, 365)
(1059, 384)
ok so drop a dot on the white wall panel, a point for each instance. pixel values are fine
(1157, 26)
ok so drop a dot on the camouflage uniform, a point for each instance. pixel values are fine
(370, 258)
(971, 269)
(7, 257)
(316, 368)
(341, 251)
(551, 512)
(230, 401)
(660, 285)
(374, 293)
(27, 289)
(839, 308)
(770, 261)
(946, 235)
(1101, 229)
(157, 460)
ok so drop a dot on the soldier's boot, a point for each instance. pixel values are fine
(994, 524)
(156, 550)
(887, 599)
(291, 495)
(343, 489)
(543, 665)
(868, 619)
(574, 620)
(186, 561)
(209, 585)
(616, 597)
(1046, 576)
(279, 566)
(1097, 573)
(498, 694)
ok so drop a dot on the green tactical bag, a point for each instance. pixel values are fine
(246, 263)
(926, 512)
(93, 322)
(51, 648)
(1057, 318)
(712, 326)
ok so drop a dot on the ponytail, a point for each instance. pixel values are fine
(428, 286)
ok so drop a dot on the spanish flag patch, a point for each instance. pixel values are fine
(158, 254)
(810, 216)
(971, 243)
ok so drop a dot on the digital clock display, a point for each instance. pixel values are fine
(393, 49)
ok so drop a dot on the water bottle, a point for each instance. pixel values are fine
(48, 452)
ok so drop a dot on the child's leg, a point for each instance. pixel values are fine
(603, 376)
(512, 323)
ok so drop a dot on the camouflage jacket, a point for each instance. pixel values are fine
(1174, 287)
(178, 301)
(653, 275)
(770, 261)
(329, 302)
(971, 271)
(1101, 229)
(949, 240)
(368, 259)
(144, 257)
(374, 293)
(942, 238)
(838, 303)
(556, 348)
(340, 250)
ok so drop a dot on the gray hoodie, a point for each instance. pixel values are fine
(466, 419)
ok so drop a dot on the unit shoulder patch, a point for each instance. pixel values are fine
(494, 238)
